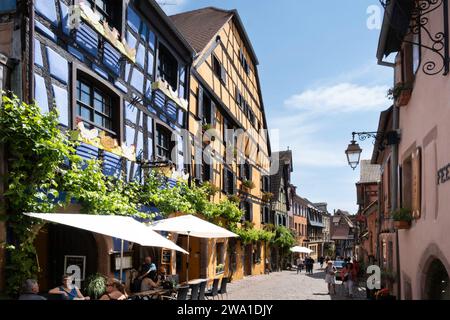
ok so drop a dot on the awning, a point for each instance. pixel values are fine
(300, 249)
(125, 228)
(192, 226)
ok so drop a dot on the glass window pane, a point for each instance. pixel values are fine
(85, 94)
(86, 113)
(108, 123)
(98, 105)
(150, 62)
(99, 120)
(151, 40)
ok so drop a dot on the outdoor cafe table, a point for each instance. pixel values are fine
(195, 281)
(159, 292)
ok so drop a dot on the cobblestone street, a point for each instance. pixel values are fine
(288, 285)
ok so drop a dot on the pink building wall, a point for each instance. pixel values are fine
(424, 123)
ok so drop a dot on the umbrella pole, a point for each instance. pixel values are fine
(121, 260)
(187, 263)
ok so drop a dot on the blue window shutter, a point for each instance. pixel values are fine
(172, 110)
(111, 58)
(159, 99)
(87, 152)
(87, 38)
(112, 165)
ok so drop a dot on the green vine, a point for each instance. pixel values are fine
(283, 237)
(45, 175)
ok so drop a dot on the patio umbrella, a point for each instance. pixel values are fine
(301, 249)
(124, 228)
(192, 226)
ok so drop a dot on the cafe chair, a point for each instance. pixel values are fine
(202, 290)
(223, 287)
(194, 291)
(182, 294)
(215, 289)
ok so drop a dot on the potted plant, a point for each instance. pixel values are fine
(267, 196)
(234, 198)
(248, 184)
(402, 218)
(220, 268)
(210, 188)
(206, 127)
(400, 93)
(95, 286)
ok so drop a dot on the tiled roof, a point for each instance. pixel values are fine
(200, 26)
(369, 172)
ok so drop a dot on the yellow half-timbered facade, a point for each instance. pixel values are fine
(227, 124)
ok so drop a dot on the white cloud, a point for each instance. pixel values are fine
(338, 98)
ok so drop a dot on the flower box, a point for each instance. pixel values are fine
(402, 225)
(403, 98)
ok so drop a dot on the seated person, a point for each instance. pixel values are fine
(68, 289)
(150, 282)
(162, 274)
(147, 267)
(30, 289)
(115, 290)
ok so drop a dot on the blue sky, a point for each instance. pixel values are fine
(320, 82)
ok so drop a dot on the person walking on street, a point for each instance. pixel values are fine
(307, 265)
(311, 265)
(349, 278)
(330, 278)
(299, 265)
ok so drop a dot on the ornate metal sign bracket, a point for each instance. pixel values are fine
(438, 42)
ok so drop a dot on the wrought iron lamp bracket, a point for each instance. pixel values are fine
(439, 41)
(363, 136)
(383, 138)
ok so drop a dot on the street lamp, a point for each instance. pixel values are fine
(353, 153)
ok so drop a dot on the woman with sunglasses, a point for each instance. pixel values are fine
(115, 290)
